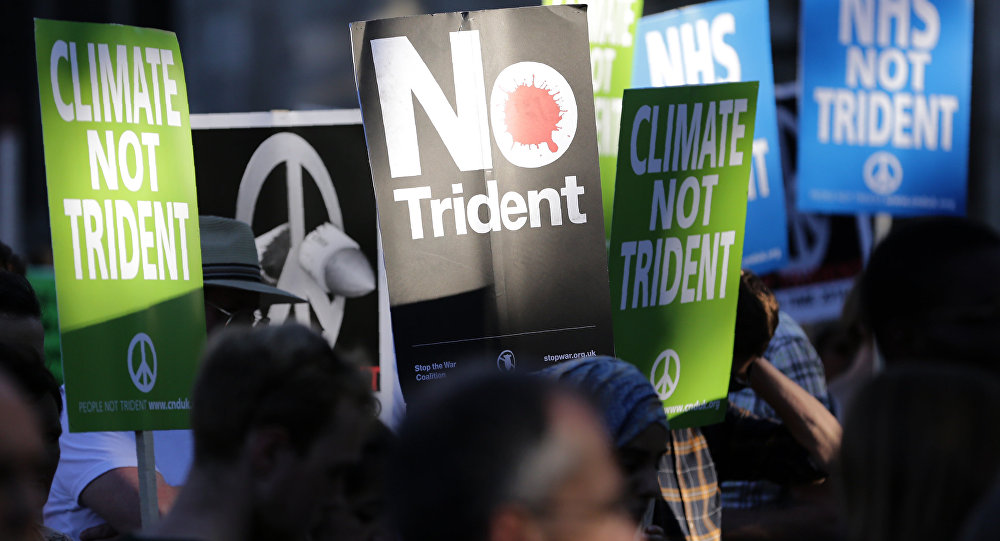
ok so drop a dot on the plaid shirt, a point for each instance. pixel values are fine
(744, 446)
(790, 352)
(690, 489)
(751, 444)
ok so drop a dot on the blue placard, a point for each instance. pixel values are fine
(884, 110)
(716, 42)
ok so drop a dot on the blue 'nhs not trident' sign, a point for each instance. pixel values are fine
(717, 42)
(884, 123)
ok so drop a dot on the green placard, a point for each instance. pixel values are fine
(611, 25)
(124, 219)
(677, 240)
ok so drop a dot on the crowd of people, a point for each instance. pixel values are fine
(285, 443)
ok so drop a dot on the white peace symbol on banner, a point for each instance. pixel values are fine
(883, 173)
(297, 154)
(660, 376)
(143, 377)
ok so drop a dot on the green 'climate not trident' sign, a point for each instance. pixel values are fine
(124, 219)
(684, 161)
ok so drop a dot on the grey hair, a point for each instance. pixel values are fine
(542, 469)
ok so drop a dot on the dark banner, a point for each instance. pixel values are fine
(483, 148)
(301, 180)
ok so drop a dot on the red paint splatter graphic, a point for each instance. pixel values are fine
(532, 114)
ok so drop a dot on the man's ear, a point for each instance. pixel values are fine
(514, 523)
(264, 447)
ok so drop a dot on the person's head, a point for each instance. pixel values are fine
(277, 410)
(226, 306)
(27, 371)
(234, 288)
(362, 514)
(756, 321)
(632, 412)
(20, 313)
(20, 457)
(920, 448)
(505, 458)
(10, 261)
(930, 292)
(843, 342)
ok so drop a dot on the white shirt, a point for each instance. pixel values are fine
(88, 455)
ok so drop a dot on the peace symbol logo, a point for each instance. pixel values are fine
(666, 373)
(506, 361)
(883, 173)
(297, 155)
(143, 377)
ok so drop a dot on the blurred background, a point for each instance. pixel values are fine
(254, 55)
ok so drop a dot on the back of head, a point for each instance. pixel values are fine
(460, 452)
(10, 261)
(756, 317)
(17, 297)
(920, 447)
(362, 513)
(24, 366)
(365, 483)
(632, 413)
(624, 397)
(20, 313)
(285, 376)
(930, 292)
(20, 456)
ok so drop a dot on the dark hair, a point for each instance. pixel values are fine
(9, 261)
(379, 443)
(920, 448)
(17, 297)
(369, 476)
(27, 370)
(931, 292)
(459, 451)
(756, 317)
(283, 376)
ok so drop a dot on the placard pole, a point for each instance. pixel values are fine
(149, 508)
(883, 224)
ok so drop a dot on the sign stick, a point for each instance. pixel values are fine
(149, 508)
(883, 223)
